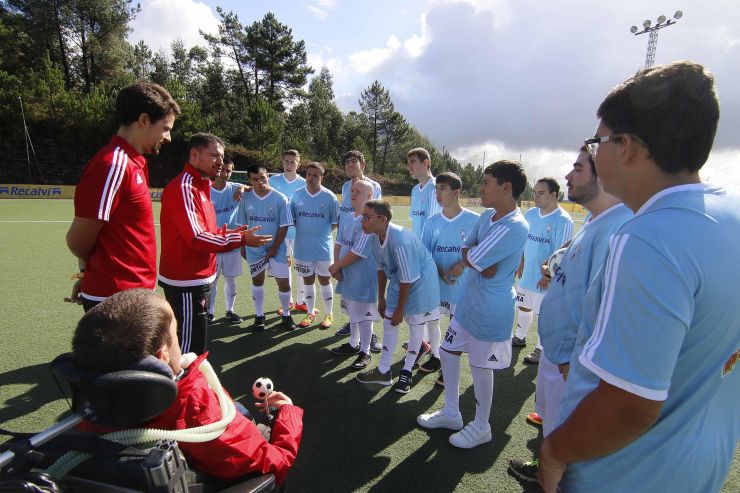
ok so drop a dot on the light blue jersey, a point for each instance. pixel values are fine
(313, 217)
(271, 212)
(287, 188)
(405, 260)
(562, 306)
(444, 237)
(546, 234)
(485, 306)
(345, 208)
(662, 321)
(225, 205)
(360, 279)
(423, 205)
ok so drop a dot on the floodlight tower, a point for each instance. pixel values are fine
(653, 39)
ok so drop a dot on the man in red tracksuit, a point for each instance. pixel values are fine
(191, 239)
(138, 326)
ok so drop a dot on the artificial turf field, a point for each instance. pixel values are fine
(356, 437)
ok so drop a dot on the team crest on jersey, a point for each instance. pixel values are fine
(463, 234)
(139, 179)
(730, 363)
(549, 228)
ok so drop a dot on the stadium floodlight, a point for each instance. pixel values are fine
(653, 38)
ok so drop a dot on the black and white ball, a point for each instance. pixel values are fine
(262, 388)
(553, 263)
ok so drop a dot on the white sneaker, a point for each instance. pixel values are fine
(439, 419)
(470, 436)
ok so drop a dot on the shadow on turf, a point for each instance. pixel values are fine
(42, 392)
(350, 429)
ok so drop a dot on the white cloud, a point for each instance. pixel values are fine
(321, 8)
(161, 21)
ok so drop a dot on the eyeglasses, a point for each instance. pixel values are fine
(367, 217)
(592, 144)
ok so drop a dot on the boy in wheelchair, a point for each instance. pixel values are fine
(132, 326)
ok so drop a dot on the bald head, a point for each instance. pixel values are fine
(362, 191)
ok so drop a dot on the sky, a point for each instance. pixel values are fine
(491, 79)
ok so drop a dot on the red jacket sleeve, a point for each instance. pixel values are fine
(191, 221)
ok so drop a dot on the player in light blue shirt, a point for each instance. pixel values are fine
(485, 306)
(550, 227)
(560, 313)
(315, 212)
(224, 198)
(288, 183)
(354, 167)
(423, 200)
(656, 352)
(356, 271)
(444, 234)
(408, 271)
(262, 206)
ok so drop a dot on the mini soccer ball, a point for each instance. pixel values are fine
(553, 263)
(262, 388)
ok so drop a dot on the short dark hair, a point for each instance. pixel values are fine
(450, 179)
(123, 329)
(381, 207)
(552, 184)
(144, 97)
(419, 153)
(201, 140)
(291, 152)
(353, 154)
(228, 160)
(508, 171)
(671, 108)
(254, 169)
(590, 158)
(317, 166)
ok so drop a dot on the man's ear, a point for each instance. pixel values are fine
(143, 120)
(163, 354)
(632, 150)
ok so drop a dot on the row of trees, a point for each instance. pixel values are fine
(64, 61)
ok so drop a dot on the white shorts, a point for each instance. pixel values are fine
(482, 354)
(229, 263)
(447, 308)
(289, 245)
(306, 268)
(275, 268)
(419, 318)
(357, 311)
(529, 299)
(548, 393)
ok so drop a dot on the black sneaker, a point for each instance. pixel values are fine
(288, 323)
(375, 345)
(431, 365)
(424, 349)
(516, 342)
(361, 362)
(533, 358)
(233, 317)
(524, 470)
(345, 350)
(211, 317)
(344, 330)
(440, 380)
(403, 385)
(259, 323)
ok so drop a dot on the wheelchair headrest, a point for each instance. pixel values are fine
(121, 398)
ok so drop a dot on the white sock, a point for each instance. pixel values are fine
(390, 339)
(354, 334)
(310, 291)
(327, 293)
(290, 284)
(285, 302)
(434, 336)
(212, 299)
(451, 375)
(230, 292)
(366, 335)
(300, 297)
(483, 388)
(538, 346)
(416, 334)
(523, 321)
(258, 295)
